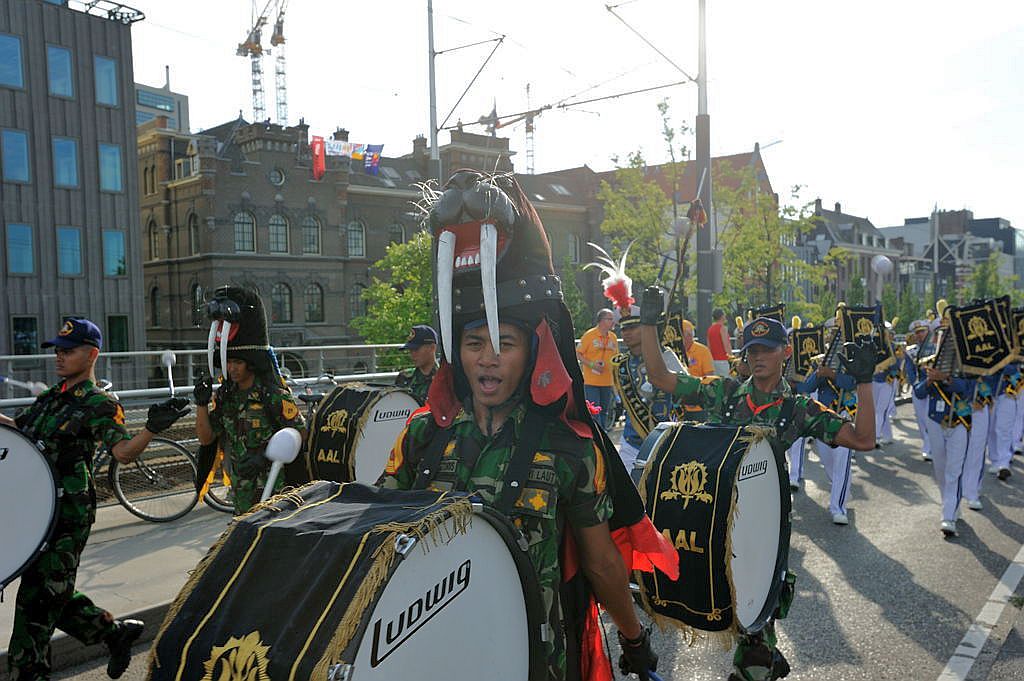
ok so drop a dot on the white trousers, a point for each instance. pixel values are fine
(1001, 442)
(796, 461)
(921, 414)
(974, 466)
(1018, 433)
(949, 453)
(884, 394)
(836, 461)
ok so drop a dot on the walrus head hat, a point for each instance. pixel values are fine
(238, 324)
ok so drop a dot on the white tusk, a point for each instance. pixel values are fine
(488, 265)
(445, 267)
(225, 331)
(209, 348)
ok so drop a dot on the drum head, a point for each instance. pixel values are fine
(381, 428)
(649, 449)
(762, 508)
(455, 611)
(27, 492)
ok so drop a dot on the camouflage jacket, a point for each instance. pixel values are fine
(415, 382)
(71, 422)
(243, 421)
(732, 402)
(566, 484)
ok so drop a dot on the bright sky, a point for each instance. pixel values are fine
(887, 107)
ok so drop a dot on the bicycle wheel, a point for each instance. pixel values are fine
(160, 485)
(220, 498)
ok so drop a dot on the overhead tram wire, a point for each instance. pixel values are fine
(497, 42)
(638, 34)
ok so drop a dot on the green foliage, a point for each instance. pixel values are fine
(911, 307)
(581, 313)
(890, 303)
(856, 292)
(985, 281)
(402, 298)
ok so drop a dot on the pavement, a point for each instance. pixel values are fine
(886, 597)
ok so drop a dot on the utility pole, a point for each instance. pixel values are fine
(709, 262)
(935, 254)
(435, 157)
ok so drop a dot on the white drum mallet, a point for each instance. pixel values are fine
(282, 448)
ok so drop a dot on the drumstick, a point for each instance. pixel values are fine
(168, 359)
(268, 489)
(34, 387)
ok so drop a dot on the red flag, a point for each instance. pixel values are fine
(319, 158)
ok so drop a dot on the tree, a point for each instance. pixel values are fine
(856, 292)
(890, 305)
(986, 282)
(402, 299)
(582, 315)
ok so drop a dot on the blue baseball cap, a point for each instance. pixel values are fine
(765, 331)
(420, 335)
(76, 331)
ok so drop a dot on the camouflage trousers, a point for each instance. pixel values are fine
(47, 598)
(757, 657)
(248, 490)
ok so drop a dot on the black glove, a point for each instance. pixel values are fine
(202, 392)
(858, 360)
(637, 656)
(162, 415)
(652, 305)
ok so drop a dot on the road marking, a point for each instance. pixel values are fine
(974, 640)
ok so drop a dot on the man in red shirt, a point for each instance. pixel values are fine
(718, 342)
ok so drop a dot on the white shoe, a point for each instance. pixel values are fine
(926, 456)
(993, 469)
(975, 504)
(886, 441)
(948, 528)
(840, 519)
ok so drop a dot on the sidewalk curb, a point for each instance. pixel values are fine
(68, 652)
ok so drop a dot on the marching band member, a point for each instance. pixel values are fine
(920, 347)
(974, 465)
(1007, 403)
(422, 347)
(884, 391)
(764, 398)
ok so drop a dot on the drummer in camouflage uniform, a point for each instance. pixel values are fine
(422, 347)
(765, 399)
(71, 420)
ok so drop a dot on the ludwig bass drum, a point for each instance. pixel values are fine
(353, 431)
(28, 492)
(720, 494)
(366, 584)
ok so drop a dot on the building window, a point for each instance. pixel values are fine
(193, 234)
(245, 232)
(58, 67)
(10, 61)
(143, 117)
(281, 304)
(154, 240)
(154, 306)
(154, 100)
(314, 303)
(14, 155)
(396, 234)
(65, 162)
(114, 264)
(278, 234)
(20, 256)
(25, 335)
(110, 168)
(106, 80)
(117, 333)
(69, 251)
(310, 235)
(356, 306)
(356, 240)
(574, 248)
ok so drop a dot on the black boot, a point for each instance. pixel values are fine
(119, 643)
(780, 666)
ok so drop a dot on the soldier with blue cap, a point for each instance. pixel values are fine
(764, 399)
(422, 347)
(71, 420)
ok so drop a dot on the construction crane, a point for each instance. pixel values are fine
(252, 47)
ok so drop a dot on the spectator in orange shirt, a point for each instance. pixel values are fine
(698, 363)
(596, 348)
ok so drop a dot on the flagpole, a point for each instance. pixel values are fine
(435, 158)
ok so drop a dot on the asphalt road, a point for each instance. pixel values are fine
(886, 597)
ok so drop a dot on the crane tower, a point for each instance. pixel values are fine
(252, 47)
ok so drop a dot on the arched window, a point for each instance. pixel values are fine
(314, 303)
(193, 234)
(310, 235)
(574, 248)
(145, 180)
(281, 304)
(154, 306)
(154, 240)
(278, 234)
(245, 232)
(396, 234)
(356, 306)
(356, 240)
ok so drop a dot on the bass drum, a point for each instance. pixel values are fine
(28, 492)
(720, 494)
(368, 584)
(353, 432)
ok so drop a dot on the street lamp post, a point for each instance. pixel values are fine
(707, 259)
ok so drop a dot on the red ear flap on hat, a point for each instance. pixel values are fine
(550, 381)
(444, 405)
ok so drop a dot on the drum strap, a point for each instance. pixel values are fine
(518, 468)
(785, 414)
(431, 459)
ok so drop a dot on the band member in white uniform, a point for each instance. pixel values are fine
(920, 347)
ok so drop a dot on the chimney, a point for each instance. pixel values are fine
(419, 146)
(817, 205)
(839, 209)
(341, 135)
(167, 77)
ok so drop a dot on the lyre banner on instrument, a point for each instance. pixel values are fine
(776, 312)
(1017, 329)
(983, 344)
(673, 335)
(864, 323)
(807, 344)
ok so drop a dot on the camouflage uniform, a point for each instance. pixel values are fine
(415, 382)
(70, 422)
(244, 421)
(728, 401)
(566, 484)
